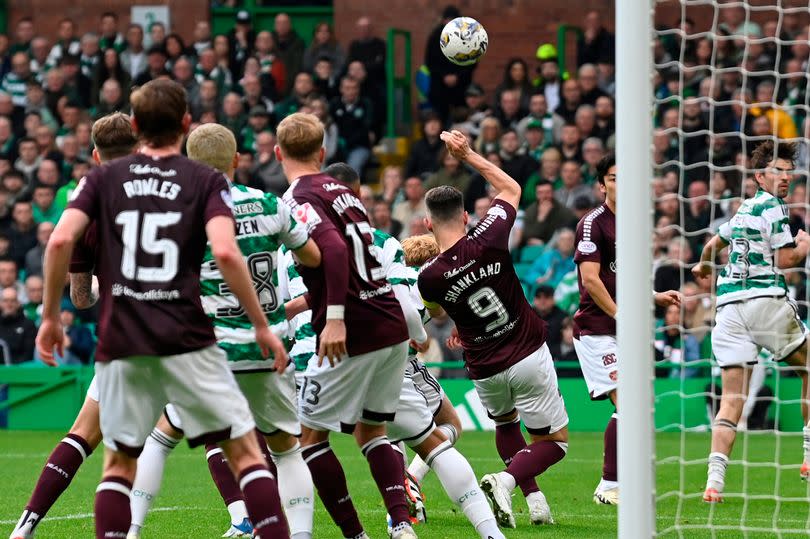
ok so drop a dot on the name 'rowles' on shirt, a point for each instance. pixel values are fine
(263, 223)
(474, 281)
(333, 213)
(596, 242)
(150, 216)
(756, 231)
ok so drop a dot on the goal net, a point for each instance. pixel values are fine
(727, 75)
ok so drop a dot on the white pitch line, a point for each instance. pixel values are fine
(82, 516)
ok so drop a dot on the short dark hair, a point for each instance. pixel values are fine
(109, 14)
(769, 151)
(24, 140)
(544, 290)
(343, 173)
(542, 182)
(444, 203)
(604, 164)
(13, 173)
(45, 186)
(159, 107)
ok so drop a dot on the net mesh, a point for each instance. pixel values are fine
(727, 76)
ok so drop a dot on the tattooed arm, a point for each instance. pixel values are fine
(82, 292)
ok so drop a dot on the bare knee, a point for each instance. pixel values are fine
(365, 432)
(281, 442)
(87, 423)
(311, 436)
(243, 452)
(166, 428)
(118, 464)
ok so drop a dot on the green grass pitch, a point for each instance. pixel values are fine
(189, 505)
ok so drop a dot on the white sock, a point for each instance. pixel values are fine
(149, 477)
(238, 512)
(296, 490)
(418, 469)
(718, 462)
(449, 431)
(806, 442)
(399, 447)
(458, 479)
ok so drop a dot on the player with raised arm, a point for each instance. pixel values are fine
(506, 357)
(263, 224)
(595, 320)
(753, 307)
(156, 344)
(113, 137)
(362, 334)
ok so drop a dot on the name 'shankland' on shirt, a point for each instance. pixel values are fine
(470, 279)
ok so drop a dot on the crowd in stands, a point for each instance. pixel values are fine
(717, 94)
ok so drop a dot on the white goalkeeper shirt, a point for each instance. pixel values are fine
(756, 231)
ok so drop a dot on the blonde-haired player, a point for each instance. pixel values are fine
(264, 223)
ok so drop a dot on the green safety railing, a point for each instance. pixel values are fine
(398, 86)
(304, 19)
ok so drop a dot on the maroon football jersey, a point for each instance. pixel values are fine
(150, 215)
(596, 242)
(333, 213)
(475, 283)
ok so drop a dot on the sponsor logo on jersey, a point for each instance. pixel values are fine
(586, 247)
(497, 211)
(148, 169)
(455, 271)
(306, 215)
(250, 207)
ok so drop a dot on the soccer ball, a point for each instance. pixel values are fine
(464, 41)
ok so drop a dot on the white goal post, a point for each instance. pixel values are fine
(634, 98)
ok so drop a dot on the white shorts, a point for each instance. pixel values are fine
(92, 390)
(742, 328)
(530, 387)
(359, 388)
(425, 384)
(134, 391)
(414, 420)
(599, 361)
(272, 400)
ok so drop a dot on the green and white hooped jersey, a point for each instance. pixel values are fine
(758, 229)
(263, 223)
(300, 334)
(389, 253)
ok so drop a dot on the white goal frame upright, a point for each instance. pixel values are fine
(636, 433)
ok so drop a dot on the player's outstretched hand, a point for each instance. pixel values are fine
(665, 299)
(333, 342)
(268, 342)
(456, 144)
(702, 269)
(453, 341)
(50, 336)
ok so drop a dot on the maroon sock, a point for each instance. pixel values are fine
(388, 471)
(262, 501)
(266, 452)
(330, 480)
(58, 472)
(509, 440)
(112, 507)
(609, 465)
(534, 460)
(222, 475)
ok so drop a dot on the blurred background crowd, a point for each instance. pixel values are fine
(718, 91)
